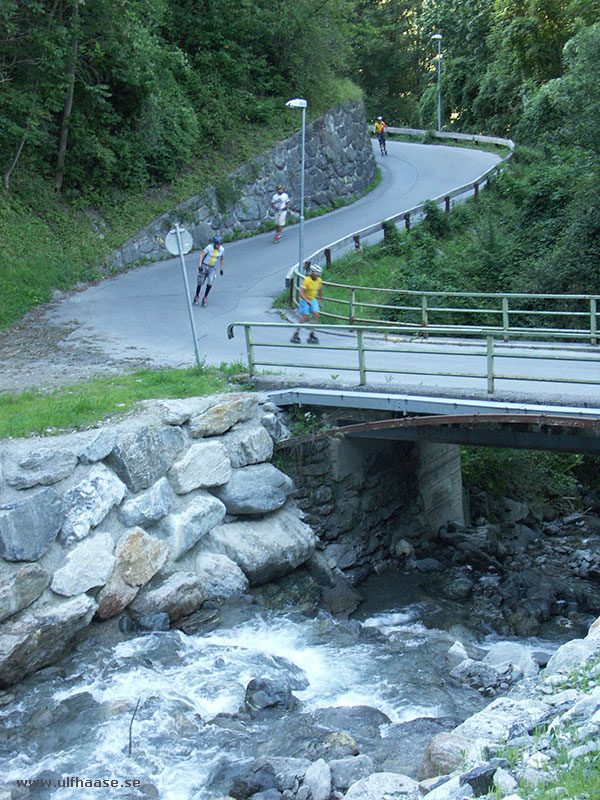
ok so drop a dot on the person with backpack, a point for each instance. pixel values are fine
(280, 202)
(207, 267)
(380, 130)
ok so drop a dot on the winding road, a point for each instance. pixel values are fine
(144, 311)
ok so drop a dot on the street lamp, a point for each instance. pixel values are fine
(298, 102)
(438, 36)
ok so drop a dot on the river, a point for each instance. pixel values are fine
(162, 714)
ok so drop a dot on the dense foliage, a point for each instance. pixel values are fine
(128, 92)
(112, 110)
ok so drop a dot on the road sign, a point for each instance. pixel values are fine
(172, 243)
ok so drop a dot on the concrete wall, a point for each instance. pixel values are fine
(339, 165)
(365, 498)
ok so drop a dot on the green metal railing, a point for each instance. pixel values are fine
(355, 346)
(432, 308)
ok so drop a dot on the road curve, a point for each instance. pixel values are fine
(143, 312)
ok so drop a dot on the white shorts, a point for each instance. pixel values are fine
(280, 217)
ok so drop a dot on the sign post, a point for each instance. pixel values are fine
(178, 242)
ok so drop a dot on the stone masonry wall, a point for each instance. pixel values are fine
(362, 500)
(153, 515)
(339, 165)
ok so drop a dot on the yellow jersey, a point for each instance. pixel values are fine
(311, 287)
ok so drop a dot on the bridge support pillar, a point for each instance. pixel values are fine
(439, 482)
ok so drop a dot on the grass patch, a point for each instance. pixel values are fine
(85, 404)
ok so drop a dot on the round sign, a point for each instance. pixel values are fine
(172, 244)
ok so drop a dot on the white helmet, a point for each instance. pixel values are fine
(316, 269)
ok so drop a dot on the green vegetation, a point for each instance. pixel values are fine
(534, 476)
(87, 403)
(568, 776)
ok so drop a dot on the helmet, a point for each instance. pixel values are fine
(316, 269)
(279, 187)
(379, 117)
(217, 240)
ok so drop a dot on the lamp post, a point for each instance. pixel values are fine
(298, 102)
(438, 36)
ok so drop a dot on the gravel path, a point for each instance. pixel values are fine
(36, 352)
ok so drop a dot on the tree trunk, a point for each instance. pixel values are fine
(64, 128)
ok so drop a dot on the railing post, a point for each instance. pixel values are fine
(505, 321)
(327, 253)
(249, 349)
(424, 313)
(407, 221)
(490, 364)
(361, 357)
(447, 203)
(475, 191)
(351, 316)
(593, 331)
(356, 238)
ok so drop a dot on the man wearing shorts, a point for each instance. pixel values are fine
(380, 131)
(207, 267)
(280, 202)
(310, 294)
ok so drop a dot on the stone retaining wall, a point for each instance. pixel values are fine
(339, 166)
(155, 514)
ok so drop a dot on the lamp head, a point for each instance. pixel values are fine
(436, 36)
(297, 102)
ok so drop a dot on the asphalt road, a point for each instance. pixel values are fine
(144, 312)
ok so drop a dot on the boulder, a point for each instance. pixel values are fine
(268, 693)
(42, 467)
(223, 416)
(182, 531)
(149, 507)
(19, 590)
(89, 564)
(138, 557)
(220, 577)
(99, 446)
(204, 465)
(143, 458)
(384, 784)
(264, 549)
(257, 489)
(248, 444)
(346, 771)
(317, 780)
(87, 504)
(446, 752)
(39, 636)
(178, 595)
(29, 527)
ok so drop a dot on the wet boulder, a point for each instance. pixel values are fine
(264, 693)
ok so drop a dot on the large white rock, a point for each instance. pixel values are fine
(89, 564)
(205, 464)
(248, 444)
(86, 505)
(223, 415)
(220, 577)
(388, 785)
(264, 549)
(182, 531)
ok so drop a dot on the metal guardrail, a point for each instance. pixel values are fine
(420, 306)
(410, 216)
(484, 347)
